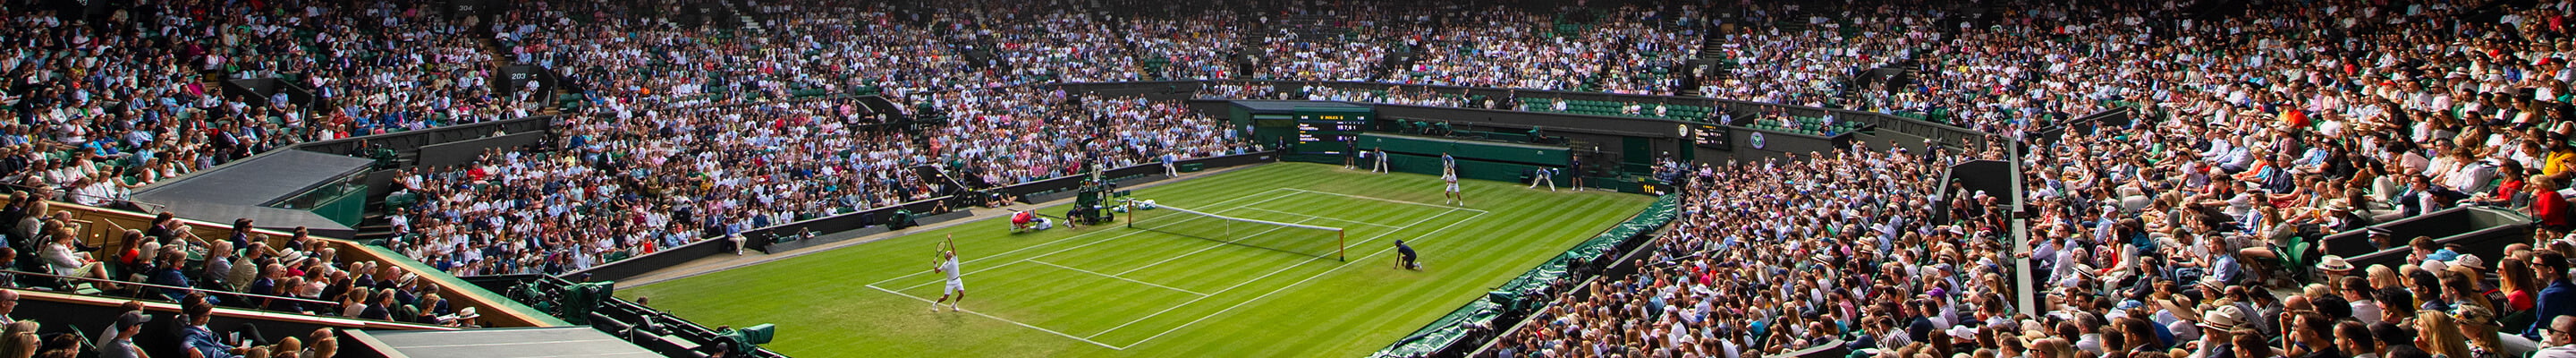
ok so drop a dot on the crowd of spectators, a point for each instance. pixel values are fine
(1037, 45)
(2285, 122)
(1646, 48)
(104, 107)
(295, 274)
(1772, 256)
(101, 107)
(616, 188)
(1195, 47)
(1808, 66)
(1502, 47)
(2254, 131)
(189, 331)
(628, 185)
(1018, 134)
(1339, 41)
(1288, 55)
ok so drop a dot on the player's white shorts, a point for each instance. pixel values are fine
(954, 286)
(1453, 187)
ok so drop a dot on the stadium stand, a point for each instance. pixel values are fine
(2259, 134)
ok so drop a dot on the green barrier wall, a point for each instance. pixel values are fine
(1446, 331)
(347, 209)
(1468, 150)
(1509, 301)
(1467, 168)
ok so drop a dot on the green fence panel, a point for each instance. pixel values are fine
(1468, 150)
(1508, 298)
(1467, 169)
(347, 209)
(1441, 333)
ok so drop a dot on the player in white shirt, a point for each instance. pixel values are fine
(947, 263)
(1449, 174)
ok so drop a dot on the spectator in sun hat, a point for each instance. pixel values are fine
(2470, 261)
(2334, 266)
(2216, 329)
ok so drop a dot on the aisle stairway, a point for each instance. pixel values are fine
(1711, 57)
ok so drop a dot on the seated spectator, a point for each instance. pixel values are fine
(118, 339)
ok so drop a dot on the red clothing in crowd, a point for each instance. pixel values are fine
(2550, 208)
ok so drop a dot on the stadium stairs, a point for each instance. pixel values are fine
(747, 21)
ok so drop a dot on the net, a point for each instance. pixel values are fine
(1301, 239)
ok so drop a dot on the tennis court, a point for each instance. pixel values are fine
(1185, 284)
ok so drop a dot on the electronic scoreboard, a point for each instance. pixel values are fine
(1713, 136)
(1329, 133)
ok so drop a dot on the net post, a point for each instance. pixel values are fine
(1131, 212)
(1341, 240)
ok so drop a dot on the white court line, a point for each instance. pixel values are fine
(1210, 247)
(1384, 200)
(1043, 329)
(1416, 237)
(1320, 217)
(1040, 329)
(1273, 273)
(1050, 243)
(1035, 261)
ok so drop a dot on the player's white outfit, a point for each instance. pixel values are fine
(1452, 179)
(1449, 171)
(954, 283)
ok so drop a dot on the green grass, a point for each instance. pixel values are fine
(1112, 291)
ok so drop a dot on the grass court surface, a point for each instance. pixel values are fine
(1112, 291)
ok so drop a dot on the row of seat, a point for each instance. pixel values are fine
(1619, 109)
(1815, 126)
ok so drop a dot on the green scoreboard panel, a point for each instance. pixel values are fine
(1329, 132)
(1713, 136)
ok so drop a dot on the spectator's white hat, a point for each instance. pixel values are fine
(1963, 332)
(2333, 263)
(2470, 261)
(2224, 317)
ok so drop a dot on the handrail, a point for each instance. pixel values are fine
(149, 207)
(221, 311)
(497, 310)
(193, 289)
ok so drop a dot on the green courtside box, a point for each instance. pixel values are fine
(1481, 160)
(1535, 155)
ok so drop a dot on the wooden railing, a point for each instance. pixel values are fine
(167, 287)
(497, 311)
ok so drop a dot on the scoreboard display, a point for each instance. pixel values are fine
(1713, 136)
(1329, 133)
